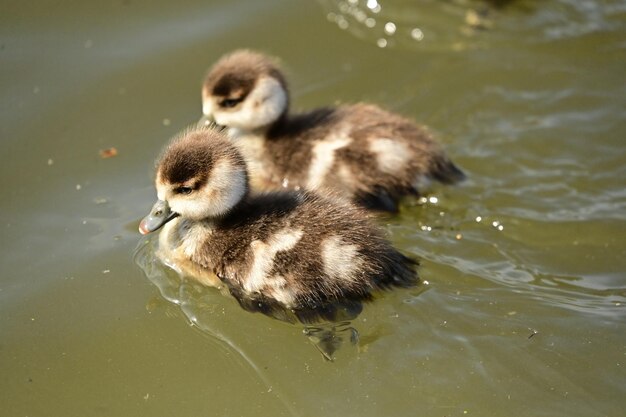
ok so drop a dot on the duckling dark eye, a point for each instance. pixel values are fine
(230, 102)
(183, 190)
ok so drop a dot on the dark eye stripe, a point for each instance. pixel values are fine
(183, 190)
(230, 102)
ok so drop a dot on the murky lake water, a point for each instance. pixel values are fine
(524, 313)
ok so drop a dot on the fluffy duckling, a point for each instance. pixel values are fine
(360, 151)
(284, 250)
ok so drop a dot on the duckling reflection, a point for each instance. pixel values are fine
(360, 151)
(290, 255)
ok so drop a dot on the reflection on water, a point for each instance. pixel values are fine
(200, 304)
(204, 308)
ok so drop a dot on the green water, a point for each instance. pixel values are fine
(524, 311)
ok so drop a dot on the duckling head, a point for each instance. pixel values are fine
(245, 90)
(200, 175)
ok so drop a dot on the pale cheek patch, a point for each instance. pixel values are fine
(265, 103)
(191, 209)
(391, 156)
(341, 261)
(207, 106)
(264, 253)
(227, 187)
(323, 159)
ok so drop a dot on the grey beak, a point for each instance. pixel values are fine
(206, 121)
(209, 122)
(159, 215)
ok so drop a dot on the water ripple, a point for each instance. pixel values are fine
(389, 23)
(207, 312)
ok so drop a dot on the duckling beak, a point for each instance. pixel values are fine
(159, 215)
(209, 122)
(206, 120)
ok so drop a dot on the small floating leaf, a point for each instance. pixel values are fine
(108, 153)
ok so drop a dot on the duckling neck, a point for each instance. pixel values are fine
(279, 124)
(237, 133)
(185, 234)
(180, 248)
(193, 235)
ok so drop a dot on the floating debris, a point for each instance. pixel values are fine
(478, 19)
(108, 153)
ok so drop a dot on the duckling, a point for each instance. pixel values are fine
(360, 151)
(302, 252)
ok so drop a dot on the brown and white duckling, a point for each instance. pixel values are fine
(290, 250)
(360, 151)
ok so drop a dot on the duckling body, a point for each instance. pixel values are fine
(292, 250)
(361, 152)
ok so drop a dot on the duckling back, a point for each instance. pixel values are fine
(369, 155)
(302, 252)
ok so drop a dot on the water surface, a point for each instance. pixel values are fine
(524, 311)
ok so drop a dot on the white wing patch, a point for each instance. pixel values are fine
(391, 155)
(207, 106)
(264, 253)
(341, 260)
(324, 158)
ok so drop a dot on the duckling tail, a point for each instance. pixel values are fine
(445, 171)
(400, 271)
